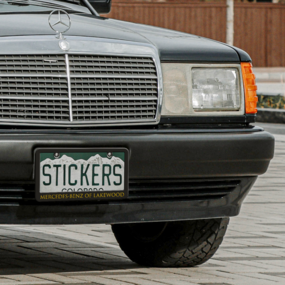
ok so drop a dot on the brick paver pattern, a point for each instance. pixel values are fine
(253, 251)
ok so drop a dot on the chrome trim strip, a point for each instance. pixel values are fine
(112, 98)
(75, 124)
(112, 76)
(69, 87)
(159, 88)
(78, 98)
(32, 75)
(34, 98)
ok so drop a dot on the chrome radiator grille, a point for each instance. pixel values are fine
(77, 89)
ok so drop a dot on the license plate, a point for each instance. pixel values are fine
(81, 174)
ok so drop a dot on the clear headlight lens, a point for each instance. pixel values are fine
(215, 89)
(189, 90)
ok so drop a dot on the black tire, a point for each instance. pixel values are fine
(171, 244)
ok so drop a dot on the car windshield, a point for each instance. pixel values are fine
(38, 6)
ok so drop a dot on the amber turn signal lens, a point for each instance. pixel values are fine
(249, 88)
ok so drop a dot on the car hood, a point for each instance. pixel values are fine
(171, 45)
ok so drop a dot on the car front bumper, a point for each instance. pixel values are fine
(175, 174)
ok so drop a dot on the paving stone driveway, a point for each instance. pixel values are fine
(253, 251)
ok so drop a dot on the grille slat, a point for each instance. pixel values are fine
(26, 68)
(112, 98)
(33, 80)
(112, 81)
(10, 85)
(103, 88)
(29, 91)
(98, 65)
(182, 189)
(130, 87)
(115, 76)
(111, 70)
(121, 105)
(32, 103)
(45, 113)
(135, 93)
(34, 108)
(115, 115)
(34, 98)
(113, 59)
(119, 109)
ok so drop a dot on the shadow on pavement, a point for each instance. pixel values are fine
(30, 253)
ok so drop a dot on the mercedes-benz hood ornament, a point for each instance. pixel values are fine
(60, 22)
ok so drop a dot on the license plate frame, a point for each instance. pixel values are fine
(70, 195)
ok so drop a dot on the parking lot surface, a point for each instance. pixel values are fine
(253, 251)
(270, 81)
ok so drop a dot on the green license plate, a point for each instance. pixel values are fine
(64, 174)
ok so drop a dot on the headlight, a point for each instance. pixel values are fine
(215, 89)
(175, 91)
(196, 90)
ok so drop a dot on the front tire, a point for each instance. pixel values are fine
(171, 244)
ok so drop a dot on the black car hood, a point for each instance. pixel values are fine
(172, 45)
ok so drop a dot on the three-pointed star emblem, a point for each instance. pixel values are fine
(59, 21)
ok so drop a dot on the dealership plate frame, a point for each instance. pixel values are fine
(71, 196)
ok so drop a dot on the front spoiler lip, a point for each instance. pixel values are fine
(128, 212)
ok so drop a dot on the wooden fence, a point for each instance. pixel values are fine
(259, 27)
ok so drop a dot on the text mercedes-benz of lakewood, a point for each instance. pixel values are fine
(143, 128)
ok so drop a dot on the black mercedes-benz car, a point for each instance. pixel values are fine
(143, 128)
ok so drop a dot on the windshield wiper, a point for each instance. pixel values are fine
(90, 7)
